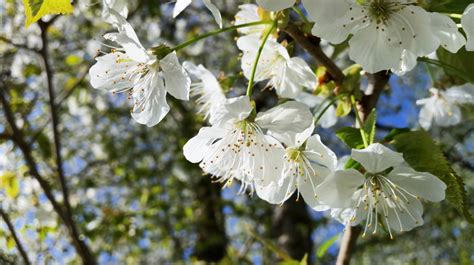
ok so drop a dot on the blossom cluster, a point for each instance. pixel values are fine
(275, 153)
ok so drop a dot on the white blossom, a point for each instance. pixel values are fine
(307, 162)
(288, 75)
(135, 70)
(388, 193)
(387, 34)
(443, 107)
(183, 4)
(236, 147)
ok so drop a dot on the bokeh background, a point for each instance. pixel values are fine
(136, 199)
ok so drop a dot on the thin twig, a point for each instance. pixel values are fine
(18, 243)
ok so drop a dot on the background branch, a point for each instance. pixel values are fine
(18, 243)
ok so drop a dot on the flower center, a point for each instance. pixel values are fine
(382, 10)
(383, 199)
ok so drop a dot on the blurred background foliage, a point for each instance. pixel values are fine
(136, 199)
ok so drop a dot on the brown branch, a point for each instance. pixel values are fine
(312, 45)
(18, 243)
(377, 83)
(81, 247)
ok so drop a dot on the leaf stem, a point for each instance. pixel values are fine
(359, 121)
(257, 59)
(217, 32)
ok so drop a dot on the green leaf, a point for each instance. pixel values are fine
(36, 9)
(73, 60)
(9, 182)
(369, 126)
(460, 64)
(449, 6)
(321, 251)
(394, 133)
(10, 242)
(344, 107)
(35, 6)
(424, 155)
(351, 137)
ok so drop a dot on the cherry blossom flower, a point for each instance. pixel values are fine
(288, 75)
(183, 4)
(307, 162)
(467, 22)
(389, 34)
(443, 108)
(388, 193)
(235, 147)
(276, 5)
(135, 70)
(208, 91)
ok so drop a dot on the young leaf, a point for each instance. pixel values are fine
(351, 137)
(36, 9)
(424, 155)
(369, 126)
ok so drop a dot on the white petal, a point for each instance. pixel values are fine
(275, 192)
(289, 117)
(467, 22)
(118, 5)
(425, 117)
(295, 76)
(421, 184)
(112, 72)
(127, 38)
(180, 6)
(272, 58)
(370, 48)
(333, 19)
(149, 96)
(447, 31)
(377, 158)
(324, 160)
(215, 11)
(461, 94)
(233, 110)
(406, 220)
(249, 13)
(407, 63)
(339, 187)
(177, 81)
(195, 149)
(445, 113)
(276, 5)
